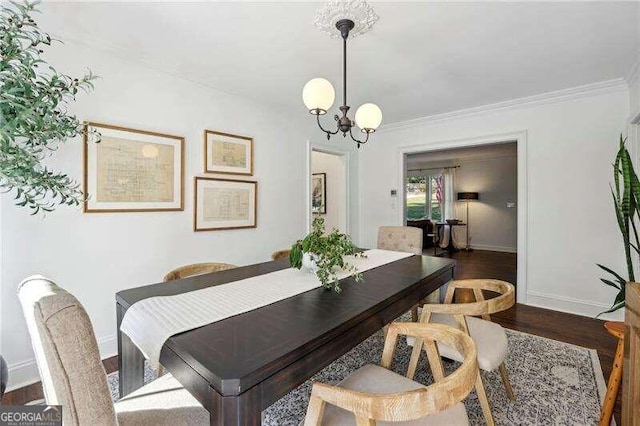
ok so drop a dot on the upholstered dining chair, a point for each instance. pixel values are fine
(72, 373)
(374, 393)
(490, 338)
(197, 269)
(280, 254)
(406, 239)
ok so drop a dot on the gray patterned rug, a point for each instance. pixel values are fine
(555, 383)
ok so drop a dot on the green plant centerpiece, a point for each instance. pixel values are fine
(34, 117)
(626, 200)
(324, 254)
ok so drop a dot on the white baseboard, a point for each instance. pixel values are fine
(572, 305)
(108, 346)
(494, 248)
(24, 373)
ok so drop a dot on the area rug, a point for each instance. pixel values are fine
(555, 383)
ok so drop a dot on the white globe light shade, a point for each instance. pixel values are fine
(318, 94)
(368, 117)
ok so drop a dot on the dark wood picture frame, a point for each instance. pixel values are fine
(211, 168)
(322, 207)
(197, 179)
(85, 173)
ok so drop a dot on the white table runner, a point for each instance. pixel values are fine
(150, 322)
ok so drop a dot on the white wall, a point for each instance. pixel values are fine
(96, 255)
(493, 226)
(633, 78)
(334, 168)
(572, 139)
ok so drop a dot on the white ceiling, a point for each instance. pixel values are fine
(420, 59)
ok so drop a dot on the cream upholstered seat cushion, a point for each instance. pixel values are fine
(163, 402)
(72, 372)
(400, 238)
(378, 380)
(490, 339)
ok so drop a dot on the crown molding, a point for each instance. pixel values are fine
(529, 101)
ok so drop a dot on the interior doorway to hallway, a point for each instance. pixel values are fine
(328, 189)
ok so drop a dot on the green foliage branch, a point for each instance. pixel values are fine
(34, 118)
(329, 251)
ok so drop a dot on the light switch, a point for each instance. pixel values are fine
(394, 193)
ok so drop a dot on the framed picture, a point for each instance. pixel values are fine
(319, 193)
(224, 204)
(133, 171)
(227, 153)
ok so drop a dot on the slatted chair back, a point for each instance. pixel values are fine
(410, 405)
(280, 254)
(197, 269)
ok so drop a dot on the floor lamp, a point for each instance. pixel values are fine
(468, 196)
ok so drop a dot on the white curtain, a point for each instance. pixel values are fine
(449, 207)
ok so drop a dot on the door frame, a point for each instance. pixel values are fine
(633, 135)
(333, 150)
(520, 138)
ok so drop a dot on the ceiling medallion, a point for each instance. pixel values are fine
(357, 11)
(318, 94)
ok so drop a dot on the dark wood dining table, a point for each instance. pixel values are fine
(241, 365)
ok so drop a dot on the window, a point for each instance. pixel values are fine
(424, 195)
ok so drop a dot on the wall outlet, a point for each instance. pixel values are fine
(394, 193)
(511, 205)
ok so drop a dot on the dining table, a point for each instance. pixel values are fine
(239, 366)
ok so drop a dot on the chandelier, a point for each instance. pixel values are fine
(351, 17)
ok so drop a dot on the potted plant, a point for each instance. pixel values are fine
(323, 254)
(34, 113)
(626, 199)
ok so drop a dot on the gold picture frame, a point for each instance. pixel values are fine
(132, 170)
(224, 204)
(226, 153)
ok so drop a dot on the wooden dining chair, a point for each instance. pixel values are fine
(374, 393)
(197, 269)
(280, 254)
(72, 373)
(616, 329)
(407, 239)
(490, 338)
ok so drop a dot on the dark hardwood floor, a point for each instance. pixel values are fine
(34, 391)
(574, 329)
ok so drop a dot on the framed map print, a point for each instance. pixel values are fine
(319, 193)
(227, 153)
(133, 171)
(224, 204)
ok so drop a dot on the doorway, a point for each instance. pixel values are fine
(328, 187)
(516, 207)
